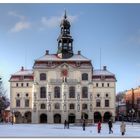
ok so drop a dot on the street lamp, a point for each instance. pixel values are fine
(132, 111)
(13, 116)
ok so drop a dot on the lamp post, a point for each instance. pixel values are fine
(132, 111)
(13, 116)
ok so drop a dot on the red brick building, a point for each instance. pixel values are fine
(132, 98)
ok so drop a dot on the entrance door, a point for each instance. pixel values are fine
(43, 118)
(71, 118)
(57, 118)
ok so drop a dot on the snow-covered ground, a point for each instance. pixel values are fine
(57, 130)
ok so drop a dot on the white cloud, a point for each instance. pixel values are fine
(15, 14)
(54, 21)
(21, 25)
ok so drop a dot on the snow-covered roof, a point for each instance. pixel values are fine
(24, 72)
(54, 57)
(102, 72)
(8, 108)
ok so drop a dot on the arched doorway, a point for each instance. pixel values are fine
(18, 117)
(57, 118)
(107, 116)
(84, 116)
(71, 118)
(43, 118)
(97, 117)
(27, 117)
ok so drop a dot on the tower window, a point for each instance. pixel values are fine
(27, 94)
(106, 95)
(16, 84)
(27, 84)
(22, 84)
(84, 76)
(42, 76)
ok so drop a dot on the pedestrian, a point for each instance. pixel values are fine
(65, 124)
(99, 127)
(84, 124)
(110, 126)
(68, 124)
(123, 128)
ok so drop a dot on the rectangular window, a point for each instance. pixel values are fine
(22, 84)
(27, 84)
(16, 84)
(17, 103)
(107, 84)
(98, 103)
(96, 84)
(26, 103)
(102, 84)
(106, 103)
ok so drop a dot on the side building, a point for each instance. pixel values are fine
(63, 86)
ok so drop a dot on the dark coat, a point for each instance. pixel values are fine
(110, 124)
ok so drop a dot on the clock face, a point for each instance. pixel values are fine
(64, 72)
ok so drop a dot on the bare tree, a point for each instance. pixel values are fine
(4, 101)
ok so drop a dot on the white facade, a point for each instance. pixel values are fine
(63, 88)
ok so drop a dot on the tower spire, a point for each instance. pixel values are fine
(65, 41)
(65, 15)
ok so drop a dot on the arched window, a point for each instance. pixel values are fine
(71, 92)
(84, 106)
(43, 92)
(84, 76)
(42, 76)
(72, 106)
(57, 106)
(84, 92)
(98, 103)
(57, 92)
(42, 106)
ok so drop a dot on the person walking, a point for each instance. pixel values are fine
(84, 124)
(123, 128)
(99, 127)
(65, 124)
(110, 126)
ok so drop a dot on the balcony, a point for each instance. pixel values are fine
(60, 81)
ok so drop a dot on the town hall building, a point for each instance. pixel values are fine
(63, 86)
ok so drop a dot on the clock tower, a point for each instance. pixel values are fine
(65, 41)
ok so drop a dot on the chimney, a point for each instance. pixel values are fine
(47, 52)
(79, 52)
(22, 68)
(104, 67)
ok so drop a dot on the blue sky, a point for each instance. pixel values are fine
(27, 30)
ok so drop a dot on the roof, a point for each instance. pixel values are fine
(102, 72)
(8, 108)
(23, 72)
(54, 57)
